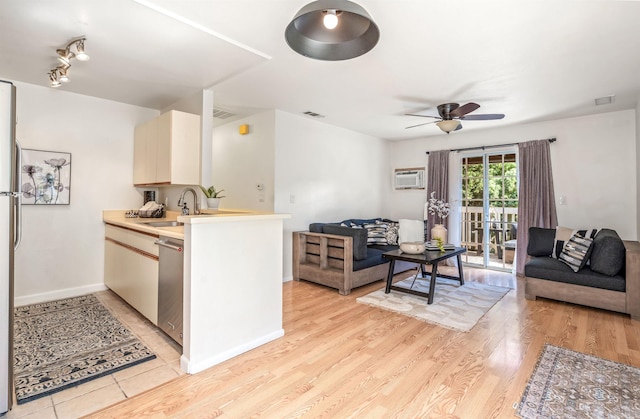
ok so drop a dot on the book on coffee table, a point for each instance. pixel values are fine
(447, 246)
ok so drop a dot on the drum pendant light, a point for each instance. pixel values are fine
(332, 30)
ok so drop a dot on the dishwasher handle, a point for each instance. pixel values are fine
(169, 245)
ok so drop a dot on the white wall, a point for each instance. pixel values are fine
(594, 167)
(62, 250)
(240, 162)
(324, 173)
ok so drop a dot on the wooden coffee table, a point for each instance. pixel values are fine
(429, 257)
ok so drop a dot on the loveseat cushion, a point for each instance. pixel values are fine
(359, 238)
(374, 257)
(384, 247)
(316, 227)
(540, 241)
(608, 255)
(555, 270)
(359, 222)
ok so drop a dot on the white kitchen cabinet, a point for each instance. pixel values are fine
(167, 150)
(131, 269)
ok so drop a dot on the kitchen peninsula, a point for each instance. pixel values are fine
(232, 295)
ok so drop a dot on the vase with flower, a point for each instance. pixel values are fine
(441, 210)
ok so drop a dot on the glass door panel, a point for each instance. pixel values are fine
(489, 214)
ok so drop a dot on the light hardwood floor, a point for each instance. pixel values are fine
(342, 359)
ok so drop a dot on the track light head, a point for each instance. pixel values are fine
(64, 73)
(53, 78)
(81, 55)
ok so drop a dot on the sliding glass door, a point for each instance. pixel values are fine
(489, 209)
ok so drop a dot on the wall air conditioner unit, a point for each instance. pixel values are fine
(409, 178)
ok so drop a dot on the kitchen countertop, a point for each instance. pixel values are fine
(117, 218)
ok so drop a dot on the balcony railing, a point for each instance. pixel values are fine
(502, 230)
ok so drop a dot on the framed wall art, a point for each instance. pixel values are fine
(45, 177)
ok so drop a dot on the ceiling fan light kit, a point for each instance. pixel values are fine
(448, 125)
(61, 72)
(332, 30)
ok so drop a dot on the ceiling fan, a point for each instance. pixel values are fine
(452, 113)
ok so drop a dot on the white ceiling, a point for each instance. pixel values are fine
(531, 60)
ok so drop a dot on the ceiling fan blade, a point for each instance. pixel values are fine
(483, 117)
(419, 125)
(423, 116)
(464, 109)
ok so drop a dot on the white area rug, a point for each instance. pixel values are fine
(454, 307)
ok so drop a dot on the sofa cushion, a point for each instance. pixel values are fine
(359, 238)
(576, 252)
(555, 270)
(316, 227)
(608, 256)
(540, 241)
(359, 222)
(384, 247)
(374, 257)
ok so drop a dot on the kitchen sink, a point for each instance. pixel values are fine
(164, 224)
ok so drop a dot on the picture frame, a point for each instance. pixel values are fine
(45, 177)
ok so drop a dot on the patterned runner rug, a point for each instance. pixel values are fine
(569, 384)
(454, 307)
(60, 344)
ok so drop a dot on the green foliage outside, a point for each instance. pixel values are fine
(502, 184)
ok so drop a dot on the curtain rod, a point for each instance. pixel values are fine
(551, 140)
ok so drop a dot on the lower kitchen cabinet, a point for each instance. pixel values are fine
(131, 269)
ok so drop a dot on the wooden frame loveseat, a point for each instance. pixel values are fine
(617, 290)
(328, 259)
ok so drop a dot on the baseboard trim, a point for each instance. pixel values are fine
(58, 294)
(191, 367)
(287, 278)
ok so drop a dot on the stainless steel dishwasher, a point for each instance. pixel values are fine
(170, 286)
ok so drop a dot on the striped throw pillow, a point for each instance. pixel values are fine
(376, 233)
(563, 234)
(576, 251)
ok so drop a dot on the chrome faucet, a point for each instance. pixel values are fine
(183, 204)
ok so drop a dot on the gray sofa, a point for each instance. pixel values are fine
(610, 280)
(339, 256)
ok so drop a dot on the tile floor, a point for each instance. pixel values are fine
(105, 391)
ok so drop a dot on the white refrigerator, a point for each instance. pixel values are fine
(9, 235)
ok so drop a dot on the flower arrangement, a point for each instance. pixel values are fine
(437, 207)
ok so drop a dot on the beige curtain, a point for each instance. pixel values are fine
(438, 181)
(536, 199)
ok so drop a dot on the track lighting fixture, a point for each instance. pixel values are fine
(65, 55)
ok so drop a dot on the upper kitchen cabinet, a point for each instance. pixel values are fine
(167, 150)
